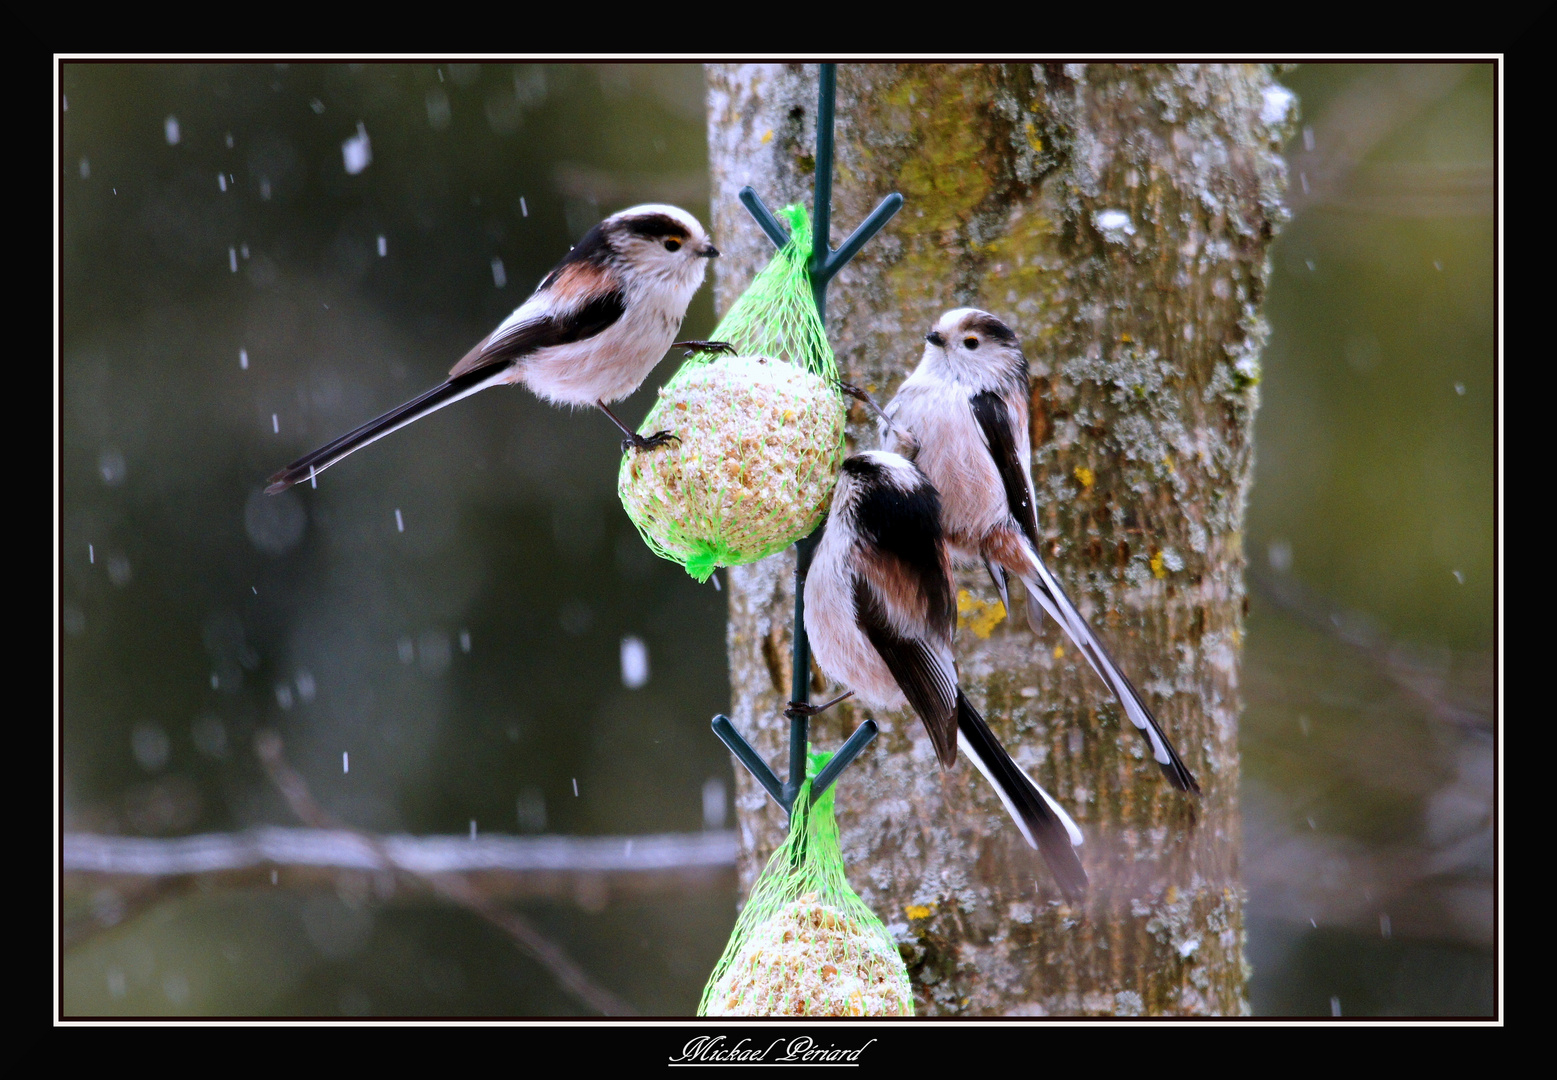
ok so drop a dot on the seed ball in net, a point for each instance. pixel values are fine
(810, 959)
(760, 443)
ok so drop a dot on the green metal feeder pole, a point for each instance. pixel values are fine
(825, 263)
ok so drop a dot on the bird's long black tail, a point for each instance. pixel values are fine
(312, 464)
(1046, 826)
(1042, 587)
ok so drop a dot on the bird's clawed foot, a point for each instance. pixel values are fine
(800, 708)
(705, 346)
(907, 445)
(864, 398)
(649, 442)
(857, 394)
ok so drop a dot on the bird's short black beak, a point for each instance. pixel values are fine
(710, 252)
(934, 338)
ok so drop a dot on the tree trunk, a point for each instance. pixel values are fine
(1119, 218)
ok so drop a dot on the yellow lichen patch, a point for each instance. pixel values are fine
(1059, 652)
(1126, 338)
(1085, 476)
(946, 180)
(767, 137)
(1158, 570)
(977, 615)
(919, 911)
(944, 177)
(1173, 894)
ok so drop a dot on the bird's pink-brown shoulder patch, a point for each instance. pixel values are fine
(576, 282)
(906, 590)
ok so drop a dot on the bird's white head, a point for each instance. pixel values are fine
(977, 348)
(660, 245)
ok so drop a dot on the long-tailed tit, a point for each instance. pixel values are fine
(880, 616)
(589, 334)
(962, 416)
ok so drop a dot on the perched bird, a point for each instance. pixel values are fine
(589, 334)
(880, 616)
(962, 417)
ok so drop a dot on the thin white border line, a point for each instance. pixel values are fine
(56, 164)
(798, 56)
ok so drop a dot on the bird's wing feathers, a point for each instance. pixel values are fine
(994, 420)
(997, 578)
(925, 671)
(1000, 436)
(519, 338)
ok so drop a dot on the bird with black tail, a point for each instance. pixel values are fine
(880, 615)
(589, 335)
(962, 415)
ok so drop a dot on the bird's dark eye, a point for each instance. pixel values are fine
(971, 342)
(673, 245)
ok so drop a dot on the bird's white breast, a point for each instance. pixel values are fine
(615, 362)
(954, 455)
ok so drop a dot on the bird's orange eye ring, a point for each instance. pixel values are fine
(673, 245)
(971, 342)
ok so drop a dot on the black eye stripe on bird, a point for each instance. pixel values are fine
(880, 615)
(962, 415)
(657, 226)
(984, 323)
(589, 335)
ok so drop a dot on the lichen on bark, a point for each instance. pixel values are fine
(1119, 218)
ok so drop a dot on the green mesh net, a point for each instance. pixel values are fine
(806, 945)
(761, 432)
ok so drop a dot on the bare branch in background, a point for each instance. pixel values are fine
(532, 865)
(1418, 189)
(450, 886)
(128, 874)
(1336, 881)
(1423, 675)
(1436, 883)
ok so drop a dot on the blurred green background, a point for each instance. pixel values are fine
(449, 608)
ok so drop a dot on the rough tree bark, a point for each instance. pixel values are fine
(1120, 219)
